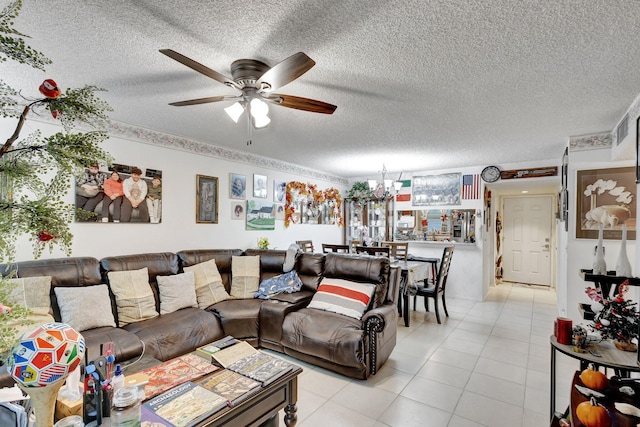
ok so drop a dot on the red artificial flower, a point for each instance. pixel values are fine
(45, 236)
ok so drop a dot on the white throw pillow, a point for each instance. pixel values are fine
(245, 276)
(343, 297)
(134, 296)
(176, 292)
(209, 286)
(85, 307)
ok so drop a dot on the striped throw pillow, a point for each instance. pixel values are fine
(343, 297)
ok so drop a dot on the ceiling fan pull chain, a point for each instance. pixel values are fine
(249, 142)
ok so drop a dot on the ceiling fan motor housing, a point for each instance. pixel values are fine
(246, 72)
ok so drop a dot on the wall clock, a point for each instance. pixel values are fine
(490, 174)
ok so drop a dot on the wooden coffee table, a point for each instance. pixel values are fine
(262, 408)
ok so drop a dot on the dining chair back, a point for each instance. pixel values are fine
(305, 245)
(353, 244)
(373, 250)
(438, 287)
(326, 248)
(398, 250)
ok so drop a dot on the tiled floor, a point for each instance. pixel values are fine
(485, 365)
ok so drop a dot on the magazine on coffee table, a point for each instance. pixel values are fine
(182, 406)
(233, 353)
(261, 367)
(207, 351)
(175, 371)
(230, 385)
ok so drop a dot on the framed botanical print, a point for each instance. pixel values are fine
(238, 186)
(206, 199)
(607, 198)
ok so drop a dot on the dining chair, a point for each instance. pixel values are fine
(398, 250)
(438, 286)
(326, 248)
(305, 245)
(373, 250)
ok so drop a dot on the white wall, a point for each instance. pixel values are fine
(178, 229)
(580, 251)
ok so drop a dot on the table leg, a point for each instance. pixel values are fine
(290, 415)
(405, 314)
(552, 404)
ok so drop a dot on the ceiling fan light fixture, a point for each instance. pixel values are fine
(261, 122)
(234, 111)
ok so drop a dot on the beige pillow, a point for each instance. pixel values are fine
(85, 307)
(134, 297)
(176, 292)
(245, 276)
(209, 287)
(32, 293)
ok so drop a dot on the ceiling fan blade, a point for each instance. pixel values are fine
(286, 71)
(202, 69)
(299, 103)
(206, 100)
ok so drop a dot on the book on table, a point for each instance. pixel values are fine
(261, 367)
(182, 406)
(176, 371)
(207, 351)
(230, 385)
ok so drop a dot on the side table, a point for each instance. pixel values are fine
(623, 362)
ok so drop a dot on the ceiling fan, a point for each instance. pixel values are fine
(256, 81)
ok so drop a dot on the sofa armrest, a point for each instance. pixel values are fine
(380, 325)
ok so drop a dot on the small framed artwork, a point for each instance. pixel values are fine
(237, 211)
(238, 186)
(259, 186)
(260, 215)
(279, 191)
(607, 198)
(206, 199)
(278, 209)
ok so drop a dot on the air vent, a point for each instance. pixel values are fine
(623, 130)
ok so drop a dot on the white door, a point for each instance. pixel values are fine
(526, 231)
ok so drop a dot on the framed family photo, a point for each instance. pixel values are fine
(237, 211)
(259, 186)
(279, 191)
(206, 199)
(238, 186)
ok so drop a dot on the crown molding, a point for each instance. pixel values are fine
(595, 141)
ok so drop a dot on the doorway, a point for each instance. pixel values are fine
(526, 239)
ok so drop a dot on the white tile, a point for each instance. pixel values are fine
(432, 393)
(487, 411)
(364, 398)
(339, 416)
(463, 346)
(323, 383)
(405, 362)
(390, 379)
(454, 358)
(457, 421)
(537, 401)
(404, 412)
(504, 355)
(496, 388)
(501, 370)
(446, 374)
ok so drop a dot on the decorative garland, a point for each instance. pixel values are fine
(313, 197)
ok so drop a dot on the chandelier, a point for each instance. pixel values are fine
(382, 190)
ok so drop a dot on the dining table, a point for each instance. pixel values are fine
(412, 274)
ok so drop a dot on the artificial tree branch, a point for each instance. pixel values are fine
(16, 133)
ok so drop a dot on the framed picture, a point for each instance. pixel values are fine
(565, 167)
(119, 182)
(238, 186)
(260, 215)
(259, 186)
(279, 191)
(606, 197)
(436, 190)
(638, 152)
(237, 210)
(206, 199)
(278, 209)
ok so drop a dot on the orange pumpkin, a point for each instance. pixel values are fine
(593, 415)
(593, 378)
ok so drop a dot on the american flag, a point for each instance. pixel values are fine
(471, 186)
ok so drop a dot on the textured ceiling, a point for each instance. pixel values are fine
(419, 85)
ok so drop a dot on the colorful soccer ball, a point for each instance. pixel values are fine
(46, 355)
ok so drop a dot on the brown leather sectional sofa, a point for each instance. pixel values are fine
(355, 348)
